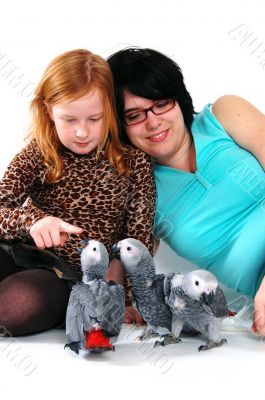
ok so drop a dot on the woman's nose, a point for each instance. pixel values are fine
(152, 120)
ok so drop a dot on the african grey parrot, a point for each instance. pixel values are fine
(196, 298)
(96, 308)
(148, 290)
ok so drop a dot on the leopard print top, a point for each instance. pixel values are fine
(90, 194)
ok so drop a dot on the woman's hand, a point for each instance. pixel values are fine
(259, 311)
(52, 232)
(131, 315)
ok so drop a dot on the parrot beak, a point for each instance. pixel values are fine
(79, 251)
(83, 243)
(208, 298)
(116, 251)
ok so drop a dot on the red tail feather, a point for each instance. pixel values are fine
(96, 339)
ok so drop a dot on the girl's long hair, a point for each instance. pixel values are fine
(68, 77)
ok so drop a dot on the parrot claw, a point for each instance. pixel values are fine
(146, 334)
(74, 346)
(211, 344)
(101, 349)
(164, 340)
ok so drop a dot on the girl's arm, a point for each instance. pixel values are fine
(244, 123)
(23, 176)
(16, 218)
(140, 208)
(138, 221)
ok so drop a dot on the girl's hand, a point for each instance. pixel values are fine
(52, 232)
(259, 311)
(131, 316)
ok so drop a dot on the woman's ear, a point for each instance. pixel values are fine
(49, 110)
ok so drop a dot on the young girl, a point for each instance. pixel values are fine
(73, 180)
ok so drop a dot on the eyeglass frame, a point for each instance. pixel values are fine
(146, 110)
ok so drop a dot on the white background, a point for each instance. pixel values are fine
(220, 46)
(202, 36)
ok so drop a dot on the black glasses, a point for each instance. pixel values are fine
(161, 107)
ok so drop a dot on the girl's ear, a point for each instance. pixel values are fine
(49, 110)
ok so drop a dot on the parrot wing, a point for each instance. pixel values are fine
(153, 308)
(161, 284)
(104, 304)
(75, 314)
(167, 285)
(113, 308)
(218, 305)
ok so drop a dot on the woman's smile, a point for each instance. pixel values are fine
(159, 137)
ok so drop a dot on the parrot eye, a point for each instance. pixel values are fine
(94, 249)
(128, 248)
(197, 283)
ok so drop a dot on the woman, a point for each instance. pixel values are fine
(209, 169)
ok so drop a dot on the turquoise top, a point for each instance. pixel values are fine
(215, 217)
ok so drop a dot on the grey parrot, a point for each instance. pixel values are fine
(196, 298)
(96, 308)
(148, 290)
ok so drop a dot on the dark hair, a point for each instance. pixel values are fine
(150, 74)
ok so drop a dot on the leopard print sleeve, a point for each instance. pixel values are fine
(16, 217)
(140, 206)
(141, 203)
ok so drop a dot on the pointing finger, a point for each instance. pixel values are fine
(68, 228)
(64, 238)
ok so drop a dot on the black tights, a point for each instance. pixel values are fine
(31, 300)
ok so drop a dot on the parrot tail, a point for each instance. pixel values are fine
(96, 341)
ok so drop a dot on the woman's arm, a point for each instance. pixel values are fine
(244, 123)
(259, 310)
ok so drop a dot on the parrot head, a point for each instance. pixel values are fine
(200, 284)
(132, 252)
(94, 259)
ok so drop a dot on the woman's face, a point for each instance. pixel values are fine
(160, 136)
(79, 123)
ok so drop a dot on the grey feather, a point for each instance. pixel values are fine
(196, 299)
(94, 303)
(97, 303)
(147, 287)
(219, 305)
(150, 290)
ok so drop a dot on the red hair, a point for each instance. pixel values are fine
(68, 77)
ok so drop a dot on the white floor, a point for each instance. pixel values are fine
(34, 367)
(38, 367)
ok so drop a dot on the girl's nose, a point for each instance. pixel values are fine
(81, 132)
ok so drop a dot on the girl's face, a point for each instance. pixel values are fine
(160, 136)
(79, 123)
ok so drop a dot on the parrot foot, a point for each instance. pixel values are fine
(164, 340)
(101, 349)
(74, 346)
(146, 334)
(211, 344)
